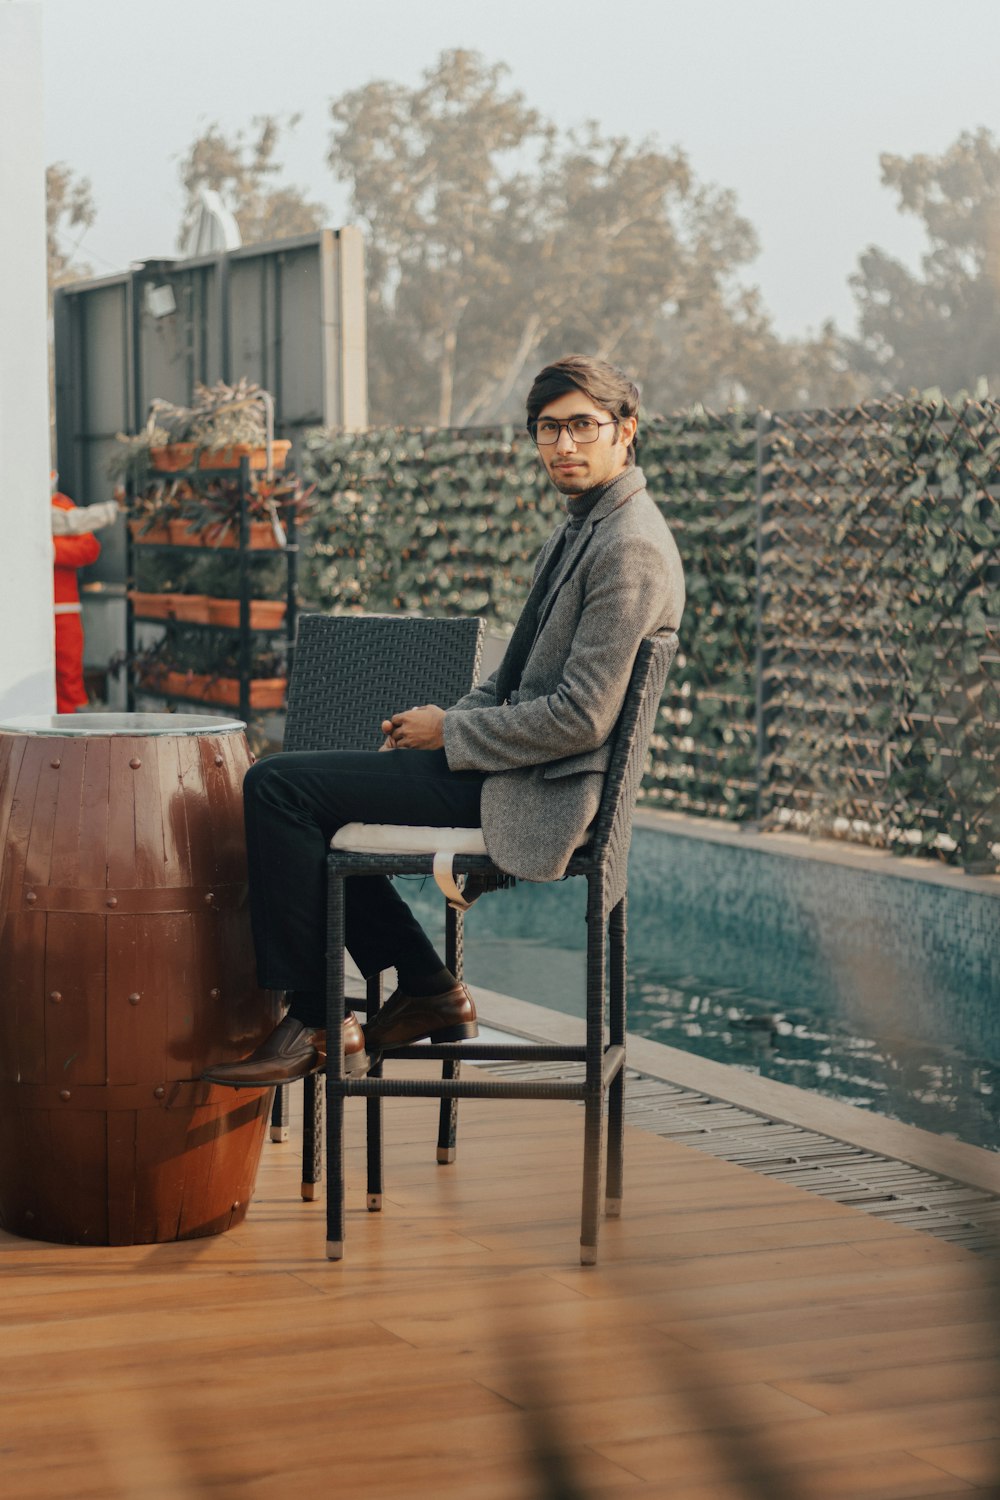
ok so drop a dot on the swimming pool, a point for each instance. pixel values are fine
(857, 983)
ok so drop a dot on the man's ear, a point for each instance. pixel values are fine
(628, 427)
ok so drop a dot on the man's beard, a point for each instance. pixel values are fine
(571, 484)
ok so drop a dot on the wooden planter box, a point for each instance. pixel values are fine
(260, 535)
(192, 608)
(265, 692)
(157, 534)
(152, 606)
(265, 614)
(176, 456)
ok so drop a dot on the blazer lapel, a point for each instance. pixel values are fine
(523, 637)
(630, 484)
(551, 578)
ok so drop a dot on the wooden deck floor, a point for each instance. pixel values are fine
(734, 1325)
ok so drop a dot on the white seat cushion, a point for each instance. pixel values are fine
(400, 838)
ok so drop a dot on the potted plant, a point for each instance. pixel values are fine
(150, 606)
(224, 424)
(151, 511)
(265, 614)
(213, 517)
(195, 670)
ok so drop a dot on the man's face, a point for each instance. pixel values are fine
(575, 467)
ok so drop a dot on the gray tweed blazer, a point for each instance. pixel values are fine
(545, 751)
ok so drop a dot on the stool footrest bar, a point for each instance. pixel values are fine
(456, 1088)
(489, 1052)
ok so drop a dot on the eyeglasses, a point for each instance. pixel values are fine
(581, 429)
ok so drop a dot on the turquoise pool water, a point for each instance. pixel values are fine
(873, 989)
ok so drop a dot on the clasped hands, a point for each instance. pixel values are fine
(417, 728)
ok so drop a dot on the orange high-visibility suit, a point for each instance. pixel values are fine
(72, 553)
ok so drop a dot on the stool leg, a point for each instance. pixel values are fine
(448, 1116)
(447, 1142)
(335, 1065)
(616, 1092)
(312, 1136)
(593, 1136)
(373, 1107)
(335, 1173)
(279, 1115)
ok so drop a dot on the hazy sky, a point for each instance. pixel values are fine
(787, 102)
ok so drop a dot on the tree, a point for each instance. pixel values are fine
(243, 168)
(941, 326)
(438, 179)
(69, 207)
(496, 242)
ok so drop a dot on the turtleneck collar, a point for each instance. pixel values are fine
(578, 507)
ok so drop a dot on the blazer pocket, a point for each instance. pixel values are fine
(577, 765)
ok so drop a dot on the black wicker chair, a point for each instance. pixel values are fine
(603, 861)
(348, 672)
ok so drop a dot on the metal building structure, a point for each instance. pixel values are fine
(289, 314)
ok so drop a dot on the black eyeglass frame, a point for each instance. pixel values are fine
(533, 430)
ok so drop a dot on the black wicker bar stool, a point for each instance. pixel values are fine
(603, 863)
(348, 672)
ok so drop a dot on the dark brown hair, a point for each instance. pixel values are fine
(605, 385)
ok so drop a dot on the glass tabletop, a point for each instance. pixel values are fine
(98, 725)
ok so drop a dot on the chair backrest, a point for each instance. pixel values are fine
(612, 835)
(350, 672)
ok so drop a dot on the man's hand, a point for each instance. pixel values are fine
(415, 729)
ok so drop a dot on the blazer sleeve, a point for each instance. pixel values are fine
(483, 695)
(624, 599)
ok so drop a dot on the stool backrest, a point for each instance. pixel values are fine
(612, 835)
(350, 672)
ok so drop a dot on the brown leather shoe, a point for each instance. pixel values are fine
(449, 1017)
(291, 1051)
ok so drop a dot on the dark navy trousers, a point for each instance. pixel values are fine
(293, 804)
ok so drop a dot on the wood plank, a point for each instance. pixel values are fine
(979, 1463)
(457, 1335)
(890, 1476)
(822, 1439)
(890, 1386)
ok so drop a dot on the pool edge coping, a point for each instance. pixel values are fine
(821, 850)
(971, 1165)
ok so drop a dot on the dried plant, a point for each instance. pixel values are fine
(221, 416)
(130, 458)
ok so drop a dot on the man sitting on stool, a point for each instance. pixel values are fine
(523, 755)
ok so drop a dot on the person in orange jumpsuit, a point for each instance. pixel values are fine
(74, 549)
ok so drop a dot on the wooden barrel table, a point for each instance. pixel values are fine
(126, 968)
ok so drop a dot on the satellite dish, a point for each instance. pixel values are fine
(214, 228)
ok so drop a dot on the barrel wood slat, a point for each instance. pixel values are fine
(92, 851)
(64, 855)
(176, 845)
(11, 755)
(126, 968)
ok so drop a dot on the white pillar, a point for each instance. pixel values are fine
(27, 683)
